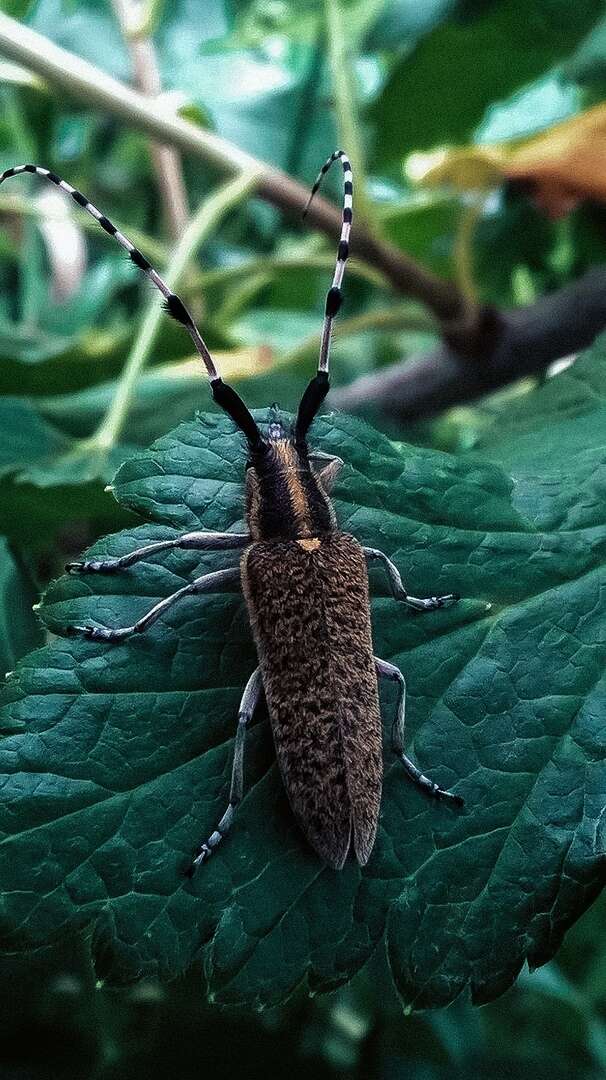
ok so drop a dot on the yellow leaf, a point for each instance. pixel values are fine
(473, 168)
(561, 166)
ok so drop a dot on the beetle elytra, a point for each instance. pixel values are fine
(306, 588)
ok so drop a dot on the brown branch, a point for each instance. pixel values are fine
(517, 343)
(86, 83)
(166, 160)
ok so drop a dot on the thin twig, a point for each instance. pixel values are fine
(464, 248)
(166, 160)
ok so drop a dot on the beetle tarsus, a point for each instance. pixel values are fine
(447, 796)
(99, 633)
(432, 603)
(429, 786)
(203, 855)
(199, 585)
(92, 566)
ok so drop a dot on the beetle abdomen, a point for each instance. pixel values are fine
(310, 613)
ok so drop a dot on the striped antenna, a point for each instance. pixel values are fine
(334, 296)
(317, 389)
(173, 303)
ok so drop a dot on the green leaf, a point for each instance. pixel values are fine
(523, 237)
(88, 29)
(36, 452)
(124, 764)
(403, 21)
(546, 102)
(20, 630)
(587, 65)
(34, 518)
(426, 228)
(438, 94)
(540, 429)
(36, 363)
(26, 437)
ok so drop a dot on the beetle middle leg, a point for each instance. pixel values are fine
(206, 583)
(248, 703)
(428, 603)
(391, 672)
(198, 541)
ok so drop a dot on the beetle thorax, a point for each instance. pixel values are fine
(284, 497)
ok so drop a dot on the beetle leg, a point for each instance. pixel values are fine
(322, 460)
(327, 468)
(206, 583)
(428, 603)
(248, 703)
(200, 541)
(328, 475)
(390, 671)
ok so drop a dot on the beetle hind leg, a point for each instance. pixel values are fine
(248, 703)
(391, 672)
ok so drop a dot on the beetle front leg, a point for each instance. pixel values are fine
(248, 703)
(198, 541)
(328, 468)
(391, 672)
(206, 583)
(428, 603)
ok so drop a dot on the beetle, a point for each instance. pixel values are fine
(305, 584)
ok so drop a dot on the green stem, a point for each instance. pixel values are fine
(199, 228)
(151, 19)
(345, 94)
(279, 264)
(241, 296)
(463, 249)
(395, 318)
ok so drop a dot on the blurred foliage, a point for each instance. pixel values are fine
(260, 74)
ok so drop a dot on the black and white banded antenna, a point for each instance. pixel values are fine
(318, 387)
(224, 395)
(334, 296)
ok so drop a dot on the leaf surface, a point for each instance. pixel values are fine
(123, 764)
(428, 102)
(19, 628)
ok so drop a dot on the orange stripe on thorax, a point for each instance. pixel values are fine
(289, 468)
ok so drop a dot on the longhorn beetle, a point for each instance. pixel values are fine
(306, 588)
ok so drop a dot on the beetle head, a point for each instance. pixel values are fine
(276, 431)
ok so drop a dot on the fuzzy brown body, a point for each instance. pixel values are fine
(306, 588)
(310, 615)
